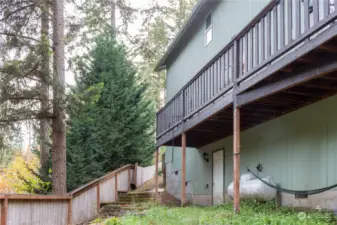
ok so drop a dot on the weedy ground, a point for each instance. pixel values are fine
(251, 213)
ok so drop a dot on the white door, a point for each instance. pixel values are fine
(218, 178)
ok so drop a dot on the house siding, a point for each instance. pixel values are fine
(226, 22)
(193, 56)
(298, 151)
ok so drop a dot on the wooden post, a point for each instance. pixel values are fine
(135, 174)
(183, 169)
(70, 210)
(156, 173)
(236, 159)
(98, 197)
(129, 178)
(4, 211)
(116, 187)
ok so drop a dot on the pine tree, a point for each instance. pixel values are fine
(111, 121)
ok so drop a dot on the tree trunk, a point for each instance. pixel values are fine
(44, 140)
(113, 13)
(59, 128)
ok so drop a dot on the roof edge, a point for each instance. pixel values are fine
(160, 65)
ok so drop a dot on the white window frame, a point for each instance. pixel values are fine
(209, 29)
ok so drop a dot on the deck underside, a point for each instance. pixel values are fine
(306, 80)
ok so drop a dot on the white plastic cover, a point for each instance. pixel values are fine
(252, 188)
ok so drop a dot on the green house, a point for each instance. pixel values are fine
(259, 74)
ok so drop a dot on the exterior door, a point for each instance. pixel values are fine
(218, 177)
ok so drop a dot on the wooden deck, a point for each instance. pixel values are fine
(283, 60)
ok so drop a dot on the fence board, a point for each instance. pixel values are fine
(146, 173)
(84, 206)
(37, 212)
(123, 180)
(107, 190)
(132, 176)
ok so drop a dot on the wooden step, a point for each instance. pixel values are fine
(135, 200)
(116, 209)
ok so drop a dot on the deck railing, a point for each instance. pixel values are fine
(281, 27)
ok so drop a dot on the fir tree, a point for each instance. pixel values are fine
(111, 121)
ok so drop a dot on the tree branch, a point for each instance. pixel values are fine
(19, 36)
(16, 11)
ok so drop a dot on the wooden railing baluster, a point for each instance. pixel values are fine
(306, 15)
(240, 58)
(268, 35)
(250, 49)
(262, 39)
(282, 25)
(289, 19)
(275, 30)
(219, 75)
(298, 18)
(256, 47)
(326, 6)
(315, 11)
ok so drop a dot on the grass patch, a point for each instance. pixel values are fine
(251, 213)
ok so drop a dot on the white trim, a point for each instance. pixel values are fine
(210, 28)
(205, 35)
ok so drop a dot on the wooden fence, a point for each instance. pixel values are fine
(80, 205)
(145, 173)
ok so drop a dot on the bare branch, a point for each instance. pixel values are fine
(16, 11)
(19, 36)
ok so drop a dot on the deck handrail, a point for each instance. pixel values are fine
(277, 29)
(247, 27)
(102, 178)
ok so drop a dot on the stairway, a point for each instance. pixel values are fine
(132, 202)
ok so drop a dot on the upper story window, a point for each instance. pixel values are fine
(208, 29)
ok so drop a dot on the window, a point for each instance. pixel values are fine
(208, 29)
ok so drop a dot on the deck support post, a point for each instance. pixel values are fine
(183, 169)
(236, 158)
(156, 173)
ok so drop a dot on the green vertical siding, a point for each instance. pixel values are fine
(192, 58)
(297, 150)
(228, 18)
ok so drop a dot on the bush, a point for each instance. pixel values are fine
(113, 221)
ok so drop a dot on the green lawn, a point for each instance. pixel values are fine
(251, 213)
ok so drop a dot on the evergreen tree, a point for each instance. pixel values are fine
(111, 121)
